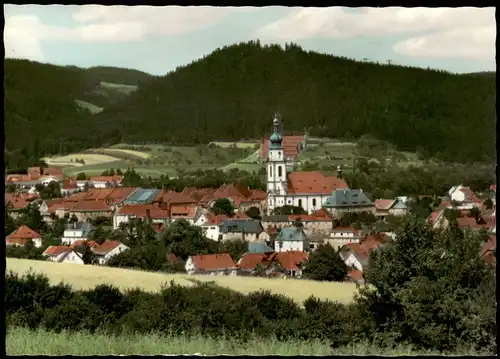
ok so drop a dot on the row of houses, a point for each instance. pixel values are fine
(45, 175)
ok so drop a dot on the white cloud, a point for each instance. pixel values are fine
(466, 31)
(476, 43)
(170, 20)
(99, 23)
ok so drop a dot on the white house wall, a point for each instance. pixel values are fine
(288, 246)
(351, 260)
(211, 232)
(72, 257)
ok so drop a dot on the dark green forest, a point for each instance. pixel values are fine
(232, 94)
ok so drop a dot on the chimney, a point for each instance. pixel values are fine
(148, 216)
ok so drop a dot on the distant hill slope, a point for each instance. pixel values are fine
(233, 92)
(44, 106)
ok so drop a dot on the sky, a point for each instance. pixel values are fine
(159, 39)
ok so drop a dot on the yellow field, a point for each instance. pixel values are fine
(85, 277)
(238, 144)
(90, 159)
(130, 152)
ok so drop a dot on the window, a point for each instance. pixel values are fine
(300, 203)
(314, 202)
(270, 171)
(279, 171)
(279, 154)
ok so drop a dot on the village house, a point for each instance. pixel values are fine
(268, 235)
(348, 200)
(301, 189)
(287, 264)
(210, 223)
(464, 197)
(107, 250)
(320, 222)
(393, 207)
(69, 187)
(22, 235)
(211, 264)
(88, 210)
(75, 232)
(340, 236)
(356, 255)
(202, 195)
(246, 230)
(145, 212)
(16, 202)
(276, 221)
(240, 196)
(62, 254)
(282, 264)
(187, 213)
(165, 199)
(292, 146)
(105, 181)
(291, 239)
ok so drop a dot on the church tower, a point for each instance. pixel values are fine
(276, 169)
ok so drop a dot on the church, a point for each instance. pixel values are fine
(308, 190)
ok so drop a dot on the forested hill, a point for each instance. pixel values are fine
(233, 92)
(42, 107)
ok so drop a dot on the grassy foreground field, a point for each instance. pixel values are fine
(20, 341)
(86, 277)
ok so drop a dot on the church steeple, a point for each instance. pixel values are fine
(276, 138)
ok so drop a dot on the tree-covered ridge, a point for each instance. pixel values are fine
(232, 93)
(41, 115)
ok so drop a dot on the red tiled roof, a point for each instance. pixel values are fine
(319, 216)
(172, 257)
(290, 146)
(207, 262)
(24, 232)
(56, 250)
(237, 193)
(356, 275)
(250, 260)
(468, 222)
(199, 194)
(106, 247)
(290, 260)
(183, 211)
(470, 195)
(383, 204)
(91, 206)
(17, 178)
(213, 219)
(79, 242)
(257, 195)
(173, 197)
(313, 182)
(18, 201)
(139, 211)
